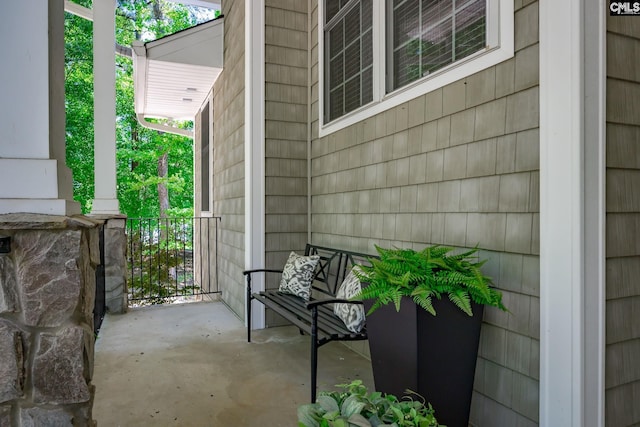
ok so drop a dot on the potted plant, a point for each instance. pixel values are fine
(424, 316)
(355, 406)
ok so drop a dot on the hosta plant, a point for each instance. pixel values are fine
(354, 406)
(434, 272)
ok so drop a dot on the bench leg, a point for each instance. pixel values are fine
(249, 308)
(314, 368)
(314, 353)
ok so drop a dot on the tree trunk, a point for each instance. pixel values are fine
(163, 193)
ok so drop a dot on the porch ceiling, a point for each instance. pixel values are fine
(174, 74)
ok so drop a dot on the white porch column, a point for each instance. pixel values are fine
(104, 78)
(254, 149)
(33, 174)
(572, 201)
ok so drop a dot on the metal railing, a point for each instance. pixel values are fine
(171, 259)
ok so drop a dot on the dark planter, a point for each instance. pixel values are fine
(434, 356)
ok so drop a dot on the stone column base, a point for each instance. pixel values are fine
(47, 296)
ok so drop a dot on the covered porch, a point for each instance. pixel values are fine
(191, 365)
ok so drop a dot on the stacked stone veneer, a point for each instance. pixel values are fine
(115, 264)
(47, 292)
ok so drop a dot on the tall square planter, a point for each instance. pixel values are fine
(434, 356)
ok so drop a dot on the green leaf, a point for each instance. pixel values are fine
(359, 421)
(307, 416)
(328, 403)
(352, 405)
(340, 422)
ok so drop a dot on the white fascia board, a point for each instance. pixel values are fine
(139, 53)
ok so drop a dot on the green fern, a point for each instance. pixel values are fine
(424, 275)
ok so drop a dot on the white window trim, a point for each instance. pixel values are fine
(209, 212)
(254, 151)
(573, 238)
(500, 49)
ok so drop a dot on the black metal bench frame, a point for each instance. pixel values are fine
(314, 317)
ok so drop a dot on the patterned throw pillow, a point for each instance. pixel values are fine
(297, 275)
(351, 314)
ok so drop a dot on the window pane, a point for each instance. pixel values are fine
(437, 47)
(352, 26)
(431, 34)
(332, 7)
(367, 86)
(336, 72)
(434, 11)
(352, 94)
(352, 60)
(406, 64)
(367, 15)
(406, 24)
(470, 29)
(367, 49)
(336, 40)
(336, 102)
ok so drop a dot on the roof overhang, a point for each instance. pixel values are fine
(211, 4)
(174, 74)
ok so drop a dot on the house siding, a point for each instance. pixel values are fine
(286, 134)
(228, 159)
(458, 166)
(622, 370)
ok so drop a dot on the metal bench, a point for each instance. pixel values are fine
(314, 317)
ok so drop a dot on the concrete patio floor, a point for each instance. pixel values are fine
(191, 365)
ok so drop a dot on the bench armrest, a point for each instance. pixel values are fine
(248, 273)
(316, 303)
(261, 270)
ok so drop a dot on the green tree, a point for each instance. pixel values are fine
(154, 169)
(79, 105)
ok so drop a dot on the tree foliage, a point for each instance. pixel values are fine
(139, 150)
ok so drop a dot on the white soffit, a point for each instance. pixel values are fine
(174, 74)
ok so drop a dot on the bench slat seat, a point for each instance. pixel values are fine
(294, 309)
(314, 317)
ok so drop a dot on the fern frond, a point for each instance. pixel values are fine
(461, 299)
(426, 303)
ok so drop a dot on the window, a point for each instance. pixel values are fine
(204, 160)
(349, 56)
(378, 54)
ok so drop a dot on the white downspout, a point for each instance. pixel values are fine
(309, 118)
(142, 119)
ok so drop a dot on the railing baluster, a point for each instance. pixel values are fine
(163, 258)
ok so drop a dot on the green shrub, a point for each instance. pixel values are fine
(353, 405)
